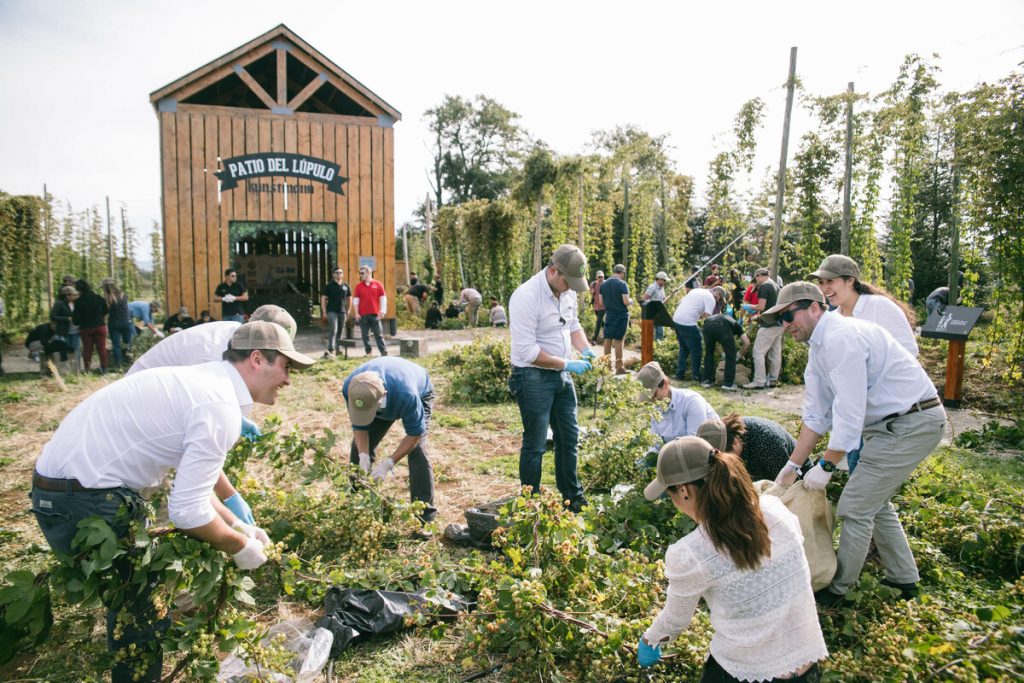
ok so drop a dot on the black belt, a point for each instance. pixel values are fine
(917, 407)
(61, 485)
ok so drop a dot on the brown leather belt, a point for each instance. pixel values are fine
(59, 485)
(916, 408)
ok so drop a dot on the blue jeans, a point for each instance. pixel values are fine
(547, 397)
(335, 330)
(237, 318)
(689, 347)
(120, 332)
(659, 332)
(58, 515)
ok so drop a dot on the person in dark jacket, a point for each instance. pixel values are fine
(434, 316)
(119, 320)
(438, 290)
(61, 316)
(91, 317)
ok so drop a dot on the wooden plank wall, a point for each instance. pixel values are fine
(196, 222)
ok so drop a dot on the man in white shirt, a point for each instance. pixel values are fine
(205, 343)
(696, 305)
(860, 383)
(545, 330)
(687, 410)
(129, 435)
(470, 299)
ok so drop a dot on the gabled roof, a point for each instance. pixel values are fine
(295, 59)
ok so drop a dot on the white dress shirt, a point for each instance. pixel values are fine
(692, 305)
(881, 311)
(856, 375)
(686, 410)
(764, 620)
(195, 345)
(540, 321)
(133, 432)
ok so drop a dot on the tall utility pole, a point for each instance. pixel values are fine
(625, 220)
(844, 238)
(579, 225)
(49, 262)
(954, 242)
(780, 191)
(663, 234)
(124, 248)
(405, 251)
(427, 216)
(110, 244)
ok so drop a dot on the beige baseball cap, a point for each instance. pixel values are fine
(715, 433)
(271, 337)
(572, 263)
(681, 461)
(790, 294)
(650, 376)
(365, 391)
(836, 265)
(275, 314)
(662, 275)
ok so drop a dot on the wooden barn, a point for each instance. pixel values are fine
(278, 163)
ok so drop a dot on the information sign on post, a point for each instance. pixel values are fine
(953, 323)
(651, 313)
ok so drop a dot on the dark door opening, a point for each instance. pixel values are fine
(285, 264)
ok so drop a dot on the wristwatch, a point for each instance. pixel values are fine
(827, 466)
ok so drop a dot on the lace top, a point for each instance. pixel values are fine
(765, 622)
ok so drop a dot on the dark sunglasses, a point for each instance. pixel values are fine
(787, 316)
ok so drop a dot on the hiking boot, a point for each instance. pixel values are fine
(827, 598)
(577, 504)
(706, 384)
(328, 354)
(755, 385)
(728, 387)
(908, 591)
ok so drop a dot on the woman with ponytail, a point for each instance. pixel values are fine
(746, 559)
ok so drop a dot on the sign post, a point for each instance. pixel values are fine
(953, 323)
(652, 313)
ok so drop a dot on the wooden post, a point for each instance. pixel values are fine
(953, 392)
(110, 244)
(405, 251)
(844, 239)
(49, 262)
(536, 235)
(124, 249)
(646, 341)
(954, 242)
(579, 223)
(625, 219)
(780, 191)
(662, 233)
(427, 216)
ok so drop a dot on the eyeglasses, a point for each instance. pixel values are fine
(787, 316)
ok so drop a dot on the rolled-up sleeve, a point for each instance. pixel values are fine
(212, 429)
(522, 324)
(686, 583)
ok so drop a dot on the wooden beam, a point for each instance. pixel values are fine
(351, 90)
(282, 77)
(267, 114)
(308, 91)
(254, 86)
(222, 71)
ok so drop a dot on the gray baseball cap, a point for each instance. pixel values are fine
(275, 314)
(572, 263)
(836, 265)
(681, 461)
(790, 294)
(272, 337)
(650, 376)
(714, 432)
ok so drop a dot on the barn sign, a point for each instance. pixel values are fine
(280, 164)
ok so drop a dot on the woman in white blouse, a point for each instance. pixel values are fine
(746, 559)
(838, 277)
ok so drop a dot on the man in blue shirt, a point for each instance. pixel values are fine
(615, 293)
(378, 393)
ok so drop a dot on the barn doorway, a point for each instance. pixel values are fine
(284, 263)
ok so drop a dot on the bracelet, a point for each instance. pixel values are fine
(793, 466)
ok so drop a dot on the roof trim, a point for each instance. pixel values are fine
(227, 61)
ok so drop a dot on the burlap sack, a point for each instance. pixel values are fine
(816, 521)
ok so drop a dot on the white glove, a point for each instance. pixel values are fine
(251, 531)
(364, 462)
(228, 298)
(159, 334)
(383, 469)
(787, 475)
(816, 478)
(251, 556)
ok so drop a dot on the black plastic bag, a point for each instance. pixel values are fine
(354, 613)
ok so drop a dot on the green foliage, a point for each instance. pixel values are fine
(479, 371)
(993, 435)
(22, 281)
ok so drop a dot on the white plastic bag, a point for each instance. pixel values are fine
(311, 645)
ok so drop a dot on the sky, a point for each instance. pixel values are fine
(76, 75)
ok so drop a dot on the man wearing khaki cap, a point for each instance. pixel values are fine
(128, 436)
(379, 393)
(767, 351)
(203, 344)
(546, 334)
(686, 409)
(860, 384)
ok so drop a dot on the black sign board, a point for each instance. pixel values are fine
(280, 164)
(951, 322)
(656, 311)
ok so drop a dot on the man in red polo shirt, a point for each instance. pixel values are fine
(370, 303)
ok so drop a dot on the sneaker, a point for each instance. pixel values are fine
(577, 504)
(908, 591)
(754, 385)
(827, 598)
(728, 387)
(706, 384)
(328, 354)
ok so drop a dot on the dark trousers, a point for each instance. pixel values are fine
(368, 323)
(335, 330)
(547, 397)
(688, 337)
(714, 673)
(58, 515)
(421, 472)
(120, 337)
(719, 333)
(600, 324)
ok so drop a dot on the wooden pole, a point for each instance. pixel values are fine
(427, 218)
(625, 219)
(405, 251)
(49, 262)
(663, 233)
(124, 248)
(844, 242)
(953, 392)
(579, 218)
(780, 191)
(536, 235)
(110, 244)
(954, 241)
(646, 341)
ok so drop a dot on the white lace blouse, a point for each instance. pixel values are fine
(765, 622)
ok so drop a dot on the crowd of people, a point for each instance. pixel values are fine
(864, 390)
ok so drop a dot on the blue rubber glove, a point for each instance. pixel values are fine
(250, 430)
(577, 367)
(588, 354)
(240, 508)
(646, 655)
(749, 308)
